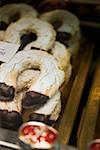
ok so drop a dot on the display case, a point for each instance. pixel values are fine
(79, 121)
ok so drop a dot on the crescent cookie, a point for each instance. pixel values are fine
(44, 31)
(61, 54)
(13, 12)
(66, 22)
(50, 78)
(53, 106)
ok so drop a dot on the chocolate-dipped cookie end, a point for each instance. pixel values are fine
(6, 92)
(34, 100)
(10, 120)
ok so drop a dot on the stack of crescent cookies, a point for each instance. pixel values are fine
(31, 82)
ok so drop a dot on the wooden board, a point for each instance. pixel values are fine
(70, 111)
(88, 123)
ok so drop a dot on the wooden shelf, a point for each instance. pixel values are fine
(72, 99)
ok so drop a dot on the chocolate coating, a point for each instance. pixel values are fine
(3, 25)
(40, 117)
(33, 100)
(27, 38)
(63, 37)
(6, 92)
(56, 24)
(10, 120)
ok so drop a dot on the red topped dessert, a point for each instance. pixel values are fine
(38, 135)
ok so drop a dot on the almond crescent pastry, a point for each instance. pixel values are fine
(19, 11)
(62, 55)
(49, 112)
(44, 32)
(49, 80)
(67, 26)
(66, 21)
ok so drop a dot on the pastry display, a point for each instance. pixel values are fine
(31, 83)
(37, 135)
(48, 82)
(12, 12)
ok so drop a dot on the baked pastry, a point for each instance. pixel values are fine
(63, 57)
(45, 34)
(49, 81)
(48, 112)
(67, 27)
